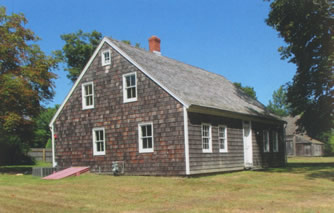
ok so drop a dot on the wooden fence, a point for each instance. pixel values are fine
(40, 154)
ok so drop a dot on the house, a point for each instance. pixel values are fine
(300, 144)
(157, 116)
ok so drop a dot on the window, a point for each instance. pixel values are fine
(275, 141)
(145, 133)
(130, 87)
(206, 138)
(222, 138)
(98, 141)
(266, 141)
(88, 95)
(106, 57)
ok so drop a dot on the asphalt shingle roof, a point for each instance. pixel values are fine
(193, 85)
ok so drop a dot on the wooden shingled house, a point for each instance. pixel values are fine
(158, 116)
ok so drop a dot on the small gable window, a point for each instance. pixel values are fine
(266, 147)
(106, 57)
(87, 95)
(222, 138)
(275, 141)
(145, 132)
(206, 138)
(130, 87)
(99, 141)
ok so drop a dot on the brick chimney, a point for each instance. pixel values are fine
(154, 44)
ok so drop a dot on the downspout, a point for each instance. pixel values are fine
(284, 142)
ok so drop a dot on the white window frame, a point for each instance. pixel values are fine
(140, 138)
(275, 141)
(84, 95)
(209, 150)
(125, 98)
(103, 59)
(95, 152)
(266, 143)
(224, 138)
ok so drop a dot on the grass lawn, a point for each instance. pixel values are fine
(305, 185)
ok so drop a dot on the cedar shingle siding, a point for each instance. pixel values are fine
(73, 126)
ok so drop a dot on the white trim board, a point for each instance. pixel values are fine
(186, 140)
(121, 52)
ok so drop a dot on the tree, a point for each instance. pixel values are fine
(307, 27)
(26, 80)
(279, 105)
(42, 132)
(248, 90)
(77, 50)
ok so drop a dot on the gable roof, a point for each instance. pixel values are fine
(193, 85)
(291, 129)
(188, 84)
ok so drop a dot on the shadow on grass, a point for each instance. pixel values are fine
(25, 169)
(310, 170)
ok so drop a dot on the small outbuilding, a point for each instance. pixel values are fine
(300, 144)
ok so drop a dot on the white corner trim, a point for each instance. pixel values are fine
(54, 164)
(106, 40)
(186, 140)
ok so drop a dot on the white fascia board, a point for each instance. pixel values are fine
(106, 40)
(146, 73)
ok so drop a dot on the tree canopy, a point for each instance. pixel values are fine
(247, 89)
(78, 48)
(26, 79)
(307, 28)
(279, 105)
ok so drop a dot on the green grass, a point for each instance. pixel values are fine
(305, 185)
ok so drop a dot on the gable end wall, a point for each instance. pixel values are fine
(73, 126)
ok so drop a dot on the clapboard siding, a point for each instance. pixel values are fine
(216, 161)
(73, 126)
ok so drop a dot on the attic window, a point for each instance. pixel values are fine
(106, 57)
(87, 95)
(130, 87)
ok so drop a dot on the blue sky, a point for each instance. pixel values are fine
(225, 37)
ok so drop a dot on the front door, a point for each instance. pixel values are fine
(248, 148)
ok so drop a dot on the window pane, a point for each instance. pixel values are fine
(128, 81)
(145, 143)
(101, 135)
(143, 131)
(133, 92)
(222, 144)
(149, 145)
(133, 80)
(97, 136)
(128, 92)
(149, 130)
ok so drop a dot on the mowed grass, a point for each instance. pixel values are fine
(305, 185)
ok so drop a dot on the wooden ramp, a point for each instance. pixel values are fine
(67, 173)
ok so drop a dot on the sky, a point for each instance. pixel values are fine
(229, 38)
